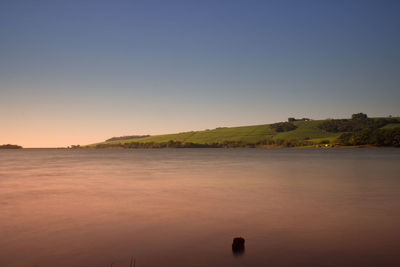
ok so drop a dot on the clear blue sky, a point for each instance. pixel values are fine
(81, 71)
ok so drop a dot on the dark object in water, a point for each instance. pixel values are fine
(238, 245)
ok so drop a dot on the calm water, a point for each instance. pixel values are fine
(295, 207)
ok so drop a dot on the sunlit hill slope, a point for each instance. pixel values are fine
(300, 133)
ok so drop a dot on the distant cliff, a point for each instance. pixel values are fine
(8, 146)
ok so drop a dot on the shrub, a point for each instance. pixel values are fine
(283, 127)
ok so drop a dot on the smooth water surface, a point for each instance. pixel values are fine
(182, 207)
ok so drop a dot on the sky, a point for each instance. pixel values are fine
(79, 72)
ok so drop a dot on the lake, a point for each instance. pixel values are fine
(183, 207)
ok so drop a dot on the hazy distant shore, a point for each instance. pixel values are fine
(8, 146)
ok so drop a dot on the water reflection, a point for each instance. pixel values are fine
(172, 207)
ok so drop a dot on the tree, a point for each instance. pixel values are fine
(359, 116)
(282, 126)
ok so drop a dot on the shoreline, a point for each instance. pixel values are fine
(174, 148)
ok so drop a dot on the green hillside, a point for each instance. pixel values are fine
(391, 126)
(301, 133)
(250, 134)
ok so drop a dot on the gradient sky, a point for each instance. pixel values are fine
(78, 72)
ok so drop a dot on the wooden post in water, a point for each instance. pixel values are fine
(134, 262)
(238, 245)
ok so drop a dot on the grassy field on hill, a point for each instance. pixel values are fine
(391, 126)
(306, 132)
